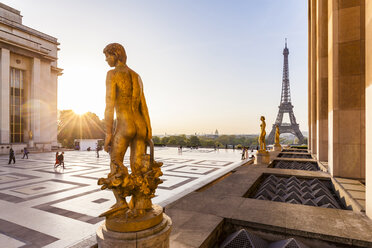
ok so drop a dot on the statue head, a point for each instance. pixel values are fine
(115, 52)
(262, 118)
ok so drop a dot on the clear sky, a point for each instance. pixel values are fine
(205, 65)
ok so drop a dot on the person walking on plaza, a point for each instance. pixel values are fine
(25, 153)
(246, 152)
(97, 150)
(61, 160)
(11, 155)
(57, 162)
(243, 153)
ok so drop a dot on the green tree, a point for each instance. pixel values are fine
(194, 141)
(156, 140)
(165, 140)
(224, 139)
(206, 142)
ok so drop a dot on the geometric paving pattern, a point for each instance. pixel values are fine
(288, 155)
(295, 165)
(242, 238)
(311, 192)
(41, 206)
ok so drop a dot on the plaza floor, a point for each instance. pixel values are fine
(45, 207)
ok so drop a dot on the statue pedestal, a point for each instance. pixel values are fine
(277, 148)
(31, 144)
(156, 236)
(262, 157)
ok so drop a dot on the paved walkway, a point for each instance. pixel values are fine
(42, 206)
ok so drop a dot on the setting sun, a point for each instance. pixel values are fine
(79, 111)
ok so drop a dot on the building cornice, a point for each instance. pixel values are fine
(58, 70)
(24, 50)
(28, 30)
(14, 11)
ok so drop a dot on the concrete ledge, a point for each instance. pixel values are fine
(225, 201)
(352, 191)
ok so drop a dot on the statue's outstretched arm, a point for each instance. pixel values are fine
(109, 111)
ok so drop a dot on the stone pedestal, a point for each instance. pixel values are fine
(262, 157)
(155, 237)
(277, 148)
(31, 144)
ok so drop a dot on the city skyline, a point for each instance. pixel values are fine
(204, 66)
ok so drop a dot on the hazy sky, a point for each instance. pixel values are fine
(205, 65)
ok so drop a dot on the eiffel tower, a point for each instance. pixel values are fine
(286, 107)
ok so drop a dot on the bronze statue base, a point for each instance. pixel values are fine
(262, 157)
(123, 223)
(155, 237)
(277, 148)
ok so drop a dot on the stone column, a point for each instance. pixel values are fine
(47, 123)
(309, 144)
(5, 96)
(346, 89)
(54, 112)
(368, 69)
(313, 58)
(35, 98)
(322, 80)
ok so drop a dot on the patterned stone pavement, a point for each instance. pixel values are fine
(45, 207)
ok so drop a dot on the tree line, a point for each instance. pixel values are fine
(205, 141)
(72, 126)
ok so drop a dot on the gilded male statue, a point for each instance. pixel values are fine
(124, 95)
(277, 134)
(262, 136)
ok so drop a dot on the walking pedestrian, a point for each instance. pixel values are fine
(61, 160)
(25, 153)
(97, 150)
(243, 153)
(11, 155)
(57, 161)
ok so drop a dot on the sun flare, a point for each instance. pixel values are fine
(79, 111)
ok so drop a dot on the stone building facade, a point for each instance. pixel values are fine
(28, 91)
(340, 91)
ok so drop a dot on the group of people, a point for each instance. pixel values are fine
(245, 153)
(59, 157)
(59, 160)
(12, 155)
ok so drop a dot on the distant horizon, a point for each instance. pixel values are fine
(304, 132)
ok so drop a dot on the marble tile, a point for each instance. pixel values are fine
(13, 177)
(173, 181)
(87, 204)
(214, 163)
(193, 170)
(63, 205)
(10, 242)
(40, 188)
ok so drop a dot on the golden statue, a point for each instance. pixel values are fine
(261, 139)
(30, 135)
(277, 134)
(124, 95)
